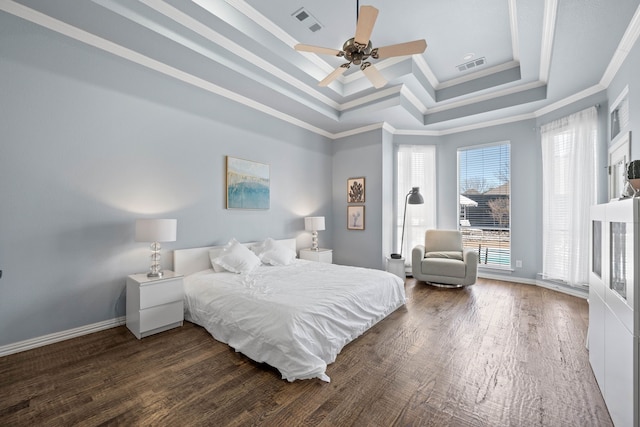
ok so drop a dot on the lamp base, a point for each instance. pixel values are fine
(157, 275)
(396, 256)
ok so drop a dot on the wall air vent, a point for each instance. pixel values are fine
(307, 19)
(471, 64)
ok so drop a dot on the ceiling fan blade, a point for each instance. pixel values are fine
(317, 49)
(366, 21)
(402, 49)
(373, 75)
(334, 75)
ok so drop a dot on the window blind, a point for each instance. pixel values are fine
(484, 187)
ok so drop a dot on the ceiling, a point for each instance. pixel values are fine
(534, 54)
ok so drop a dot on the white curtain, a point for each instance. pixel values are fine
(569, 189)
(416, 168)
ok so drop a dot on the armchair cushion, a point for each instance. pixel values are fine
(445, 254)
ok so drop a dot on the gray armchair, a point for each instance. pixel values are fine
(443, 261)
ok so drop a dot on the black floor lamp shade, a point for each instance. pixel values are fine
(413, 198)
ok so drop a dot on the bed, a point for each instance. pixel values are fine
(295, 316)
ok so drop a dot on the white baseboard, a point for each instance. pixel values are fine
(29, 344)
(576, 292)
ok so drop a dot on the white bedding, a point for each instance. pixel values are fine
(296, 318)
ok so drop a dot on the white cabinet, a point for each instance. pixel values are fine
(154, 305)
(614, 297)
(321, 255)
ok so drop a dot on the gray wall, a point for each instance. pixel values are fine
(360, 156)
(90, 143)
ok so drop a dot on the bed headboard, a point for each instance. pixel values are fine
(187, 261)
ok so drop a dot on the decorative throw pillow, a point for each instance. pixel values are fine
(236, 258)
(274, 253)
(445, 254)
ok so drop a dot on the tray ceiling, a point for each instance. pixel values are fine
(495, 60)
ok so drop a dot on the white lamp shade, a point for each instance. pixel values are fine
(314, 223)
(156, 230)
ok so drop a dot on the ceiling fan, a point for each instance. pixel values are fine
(358, 49)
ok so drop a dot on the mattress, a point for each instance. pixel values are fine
(296, 318)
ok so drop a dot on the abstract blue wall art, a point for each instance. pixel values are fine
(247, 184)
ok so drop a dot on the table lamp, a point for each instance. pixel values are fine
(155, 231)
(314, 224)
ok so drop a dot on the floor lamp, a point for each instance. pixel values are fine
(413, 198)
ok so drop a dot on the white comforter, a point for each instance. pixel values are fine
(296, 318)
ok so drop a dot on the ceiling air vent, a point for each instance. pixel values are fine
(471, 64)
(307, 19)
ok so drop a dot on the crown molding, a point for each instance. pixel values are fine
(570, 100)
(478, 74)
(548, 34)
(486, 97)
(624, 47)
(515, 37)
(232, 47)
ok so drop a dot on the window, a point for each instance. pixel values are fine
(484, 188)
(568, 191)
(416, 168)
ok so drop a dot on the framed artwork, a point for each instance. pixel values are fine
(248, 184)
(355, 190)
(355, 217)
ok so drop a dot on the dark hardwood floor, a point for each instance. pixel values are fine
(493, 354)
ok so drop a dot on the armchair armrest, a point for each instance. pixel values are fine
(417, 255)
(470, 258)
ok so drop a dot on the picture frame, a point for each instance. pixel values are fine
(247, 184)
(355, 217)
(355, 190)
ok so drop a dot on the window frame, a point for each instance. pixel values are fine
(469, 230)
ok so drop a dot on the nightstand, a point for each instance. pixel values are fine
(154, 304)
(396, 266)
(321, 255)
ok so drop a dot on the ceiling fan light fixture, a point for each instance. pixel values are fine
(359, 48)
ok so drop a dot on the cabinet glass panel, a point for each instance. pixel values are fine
(596, 260)
(621, 258)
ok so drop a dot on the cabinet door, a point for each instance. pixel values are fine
(596, 337)
(619, 371)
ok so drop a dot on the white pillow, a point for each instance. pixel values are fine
(213, 254)
(236, 258)
(274, 253)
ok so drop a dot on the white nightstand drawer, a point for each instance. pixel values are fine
(321, 255)
(155, 317)
(160, 292)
